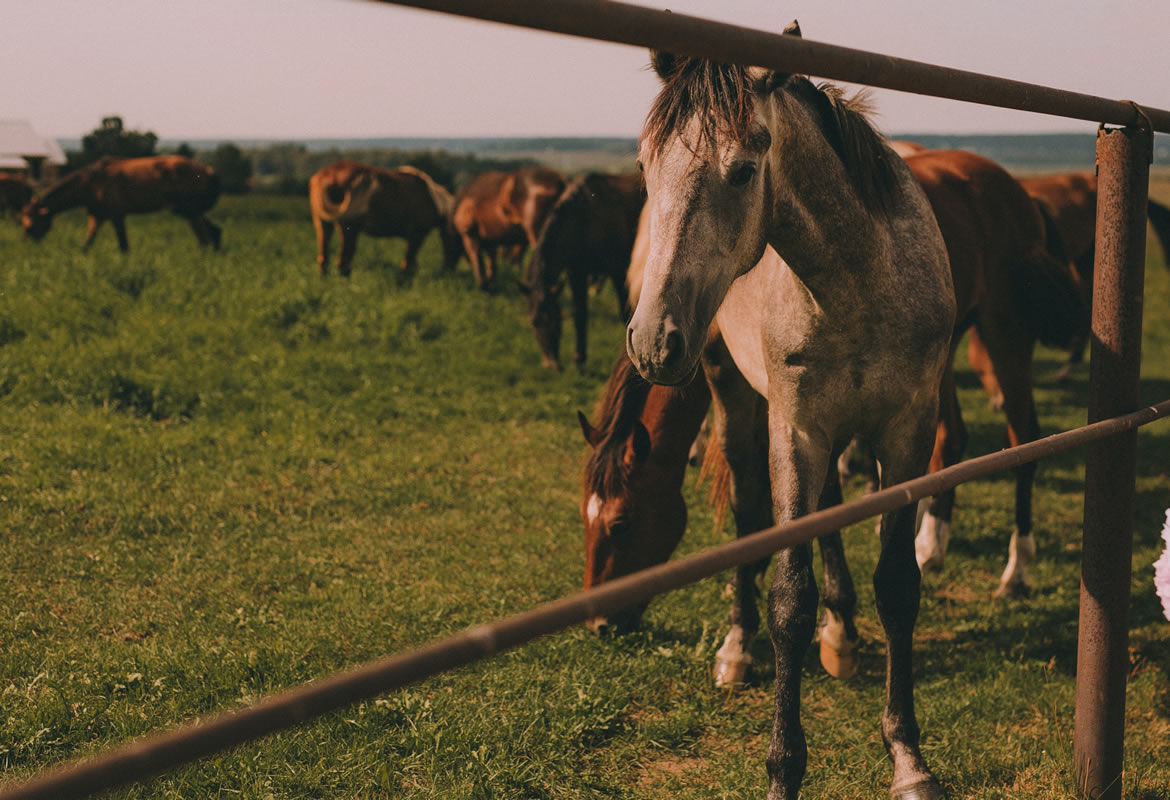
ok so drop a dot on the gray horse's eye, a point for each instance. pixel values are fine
(741, 173)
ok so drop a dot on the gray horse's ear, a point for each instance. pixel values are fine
(772, 81)
(663, 63)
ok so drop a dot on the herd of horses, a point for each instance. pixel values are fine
(782, 268)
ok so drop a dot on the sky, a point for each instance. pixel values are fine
(299, 69)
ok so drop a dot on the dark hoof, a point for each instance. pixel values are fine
(923, 790)
(1012, 591)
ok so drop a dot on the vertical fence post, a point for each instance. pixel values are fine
(1123, 168)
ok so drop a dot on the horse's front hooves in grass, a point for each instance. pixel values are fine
(923, 790)
(841, 663)
(1012, 591)
(731, 674)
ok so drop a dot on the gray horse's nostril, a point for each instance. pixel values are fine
(673, 348)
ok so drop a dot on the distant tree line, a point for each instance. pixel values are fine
(283, 167)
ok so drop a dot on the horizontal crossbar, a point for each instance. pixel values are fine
(623, 23)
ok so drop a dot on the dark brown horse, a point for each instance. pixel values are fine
(1069, 200)
(14, 193)
(357, 198)
(588, 235)
(114, 187)
(498, 209)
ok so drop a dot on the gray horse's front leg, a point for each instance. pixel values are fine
(904, 454)
(798, 468)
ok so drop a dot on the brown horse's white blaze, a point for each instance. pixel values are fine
(777, 211)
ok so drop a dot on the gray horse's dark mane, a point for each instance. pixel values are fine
(719, 96)
(621, 406)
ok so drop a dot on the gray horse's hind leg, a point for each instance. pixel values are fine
(741, 434)
(838, 631)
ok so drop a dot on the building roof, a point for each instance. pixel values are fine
(18, 139)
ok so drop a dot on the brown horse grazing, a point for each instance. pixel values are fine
(1011, 292)
(498, 209)
(1069, 200)
(403, 202)
(114, 187)
(635, 515)
(588, 234)
(15, 194)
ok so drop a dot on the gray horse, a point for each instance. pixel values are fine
(778, 212)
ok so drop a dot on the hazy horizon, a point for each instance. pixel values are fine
(312, 69)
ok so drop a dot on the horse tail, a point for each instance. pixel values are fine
(1160, 220)
(1052, 290)
(442, 199)
(716, 470)
(336, 200)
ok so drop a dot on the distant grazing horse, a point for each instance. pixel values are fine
(1070, 201)
(588, 234)
(14, 193)
(499, 209)
(404, 202)
(778, 211)
(114, 187)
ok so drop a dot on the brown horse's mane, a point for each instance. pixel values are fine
(719, 96)
(619, 408)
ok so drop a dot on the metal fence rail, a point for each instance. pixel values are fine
(159, 753)
(678, 33)
(1123, 162)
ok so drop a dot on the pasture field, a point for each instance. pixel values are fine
(222, 476)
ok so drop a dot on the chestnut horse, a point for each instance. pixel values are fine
(114, 187)
(498, 209)
(1070, 202)
(589, 235)
(14, 193)
(357, 198)
(776, 209)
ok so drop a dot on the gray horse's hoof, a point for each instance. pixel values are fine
(923, 790)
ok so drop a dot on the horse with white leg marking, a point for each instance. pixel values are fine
(843, 324)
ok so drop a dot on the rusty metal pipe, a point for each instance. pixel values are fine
(645, 27)
(161, 752)
(1123, 169)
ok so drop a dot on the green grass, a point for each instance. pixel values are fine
(222, 476)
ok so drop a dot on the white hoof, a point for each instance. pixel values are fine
(732, 661)
(1021, 554)
(930, 546)
(838, 652)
